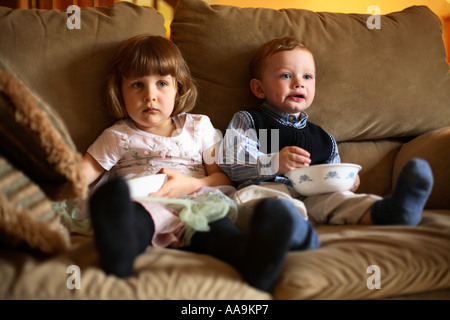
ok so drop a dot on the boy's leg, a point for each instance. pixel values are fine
(403, 206)
(122, 228)
(248, 197)
(408, 198)
(304, 237)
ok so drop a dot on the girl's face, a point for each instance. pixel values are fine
(149, 101)
(288, 81)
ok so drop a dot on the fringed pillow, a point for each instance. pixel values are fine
(26, 215)
(36, 141)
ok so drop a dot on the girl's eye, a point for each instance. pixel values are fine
(162, 83)
(137, 85)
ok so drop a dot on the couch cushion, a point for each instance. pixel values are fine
(67, 67)
(26, 215)
(371, 83)
(351, 259)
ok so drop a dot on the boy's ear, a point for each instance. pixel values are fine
(257, 89)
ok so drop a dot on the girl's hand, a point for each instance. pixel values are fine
(355, 184)
(177, 185)
(291, 158)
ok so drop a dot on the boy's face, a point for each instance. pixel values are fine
(287, 81)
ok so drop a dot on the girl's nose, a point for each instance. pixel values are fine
(149, 96)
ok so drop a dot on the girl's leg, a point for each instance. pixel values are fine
(122, 228)
(258, 255)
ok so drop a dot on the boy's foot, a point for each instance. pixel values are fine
(411, 191)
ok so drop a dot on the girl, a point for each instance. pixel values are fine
(150, 90)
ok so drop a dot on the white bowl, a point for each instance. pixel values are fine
(142, 186)
(323, 178)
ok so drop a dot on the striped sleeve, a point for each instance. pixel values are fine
(240, 158)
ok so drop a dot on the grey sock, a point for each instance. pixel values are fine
(411, 191)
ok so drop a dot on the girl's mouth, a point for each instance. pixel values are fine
(150, 110)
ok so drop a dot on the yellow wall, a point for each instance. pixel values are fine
(440, 7)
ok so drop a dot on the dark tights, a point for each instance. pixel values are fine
(123, 229)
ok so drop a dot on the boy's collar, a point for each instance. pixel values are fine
(289, 118)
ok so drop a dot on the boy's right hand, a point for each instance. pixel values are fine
(291, 158)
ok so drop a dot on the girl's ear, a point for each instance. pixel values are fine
(257, 88)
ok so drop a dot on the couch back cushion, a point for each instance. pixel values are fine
(371, 83)
(67, 67)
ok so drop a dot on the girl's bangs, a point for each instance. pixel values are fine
(145, 61)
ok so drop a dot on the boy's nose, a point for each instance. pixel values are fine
(298, 84)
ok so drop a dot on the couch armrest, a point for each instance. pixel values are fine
(433, 146)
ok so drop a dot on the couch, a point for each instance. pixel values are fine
(384, 93)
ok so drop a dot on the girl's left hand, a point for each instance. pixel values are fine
(177, 185)
(355, 184)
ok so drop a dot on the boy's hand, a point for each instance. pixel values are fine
(291, 158)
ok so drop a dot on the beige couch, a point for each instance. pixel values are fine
(383, 93)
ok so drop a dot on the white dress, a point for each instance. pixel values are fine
(126, 151)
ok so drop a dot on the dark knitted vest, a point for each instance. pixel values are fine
(312, 138)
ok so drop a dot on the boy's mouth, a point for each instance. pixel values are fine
(298, 96)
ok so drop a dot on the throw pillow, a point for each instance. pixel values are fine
(35, 140)
(26, 215)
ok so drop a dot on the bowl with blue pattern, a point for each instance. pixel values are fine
(323, 178)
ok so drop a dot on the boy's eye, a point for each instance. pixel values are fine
(308, 76)
(285, 76)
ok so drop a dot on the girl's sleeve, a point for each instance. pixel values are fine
(210, 136)
(106, 149)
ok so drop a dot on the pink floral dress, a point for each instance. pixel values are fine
(126, 151)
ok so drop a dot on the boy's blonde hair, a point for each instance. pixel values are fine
(270, 48)
(145, 55)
